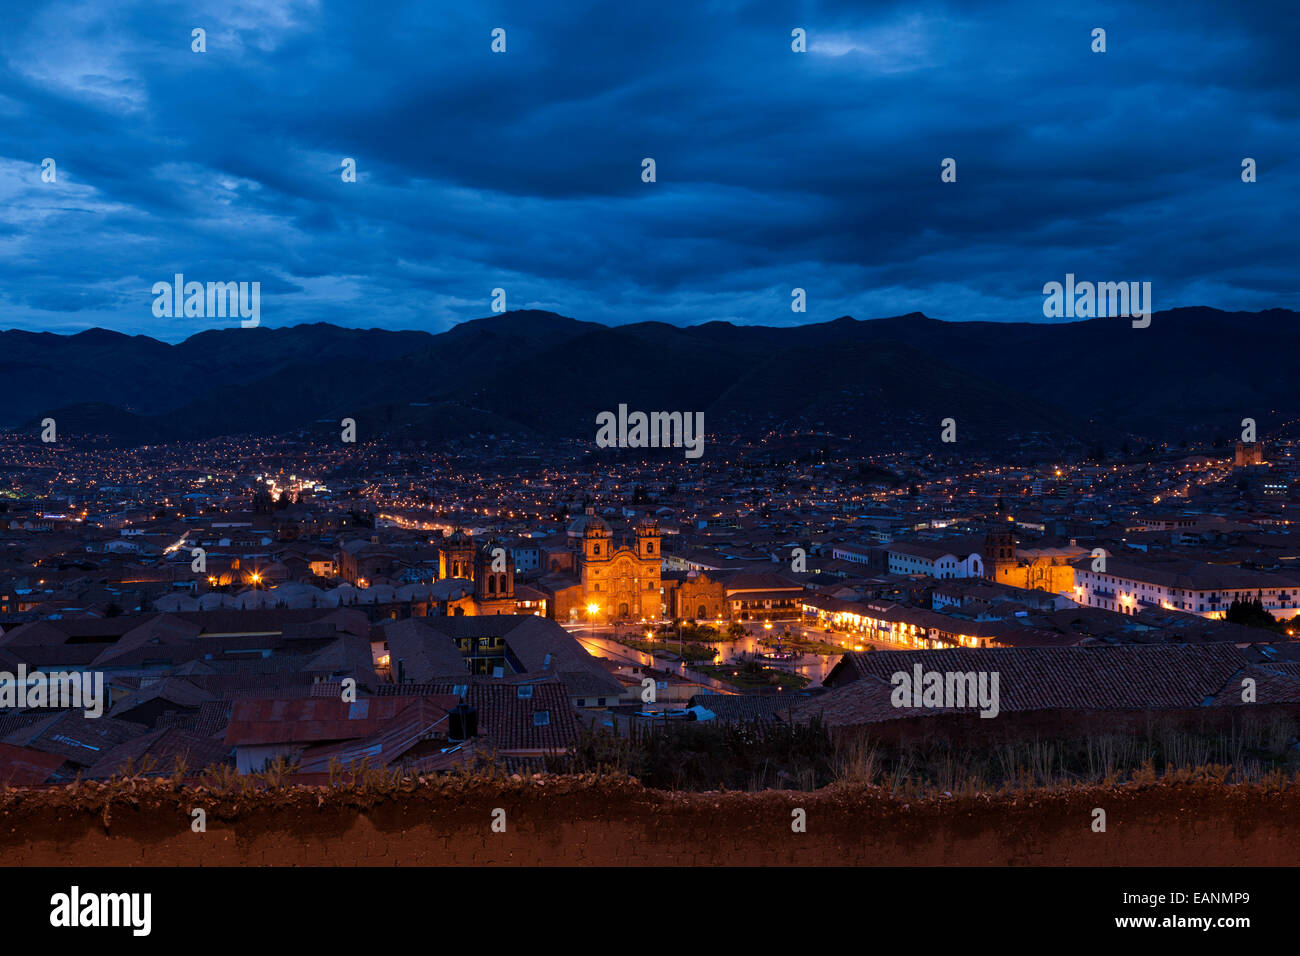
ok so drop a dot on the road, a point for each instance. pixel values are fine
(621, 654)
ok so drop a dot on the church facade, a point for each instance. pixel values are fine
(607, 580)
(1034, 569)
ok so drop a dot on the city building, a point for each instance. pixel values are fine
(616, 579)
(1202, 589)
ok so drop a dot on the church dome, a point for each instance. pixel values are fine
(588, 525)
(486, 549)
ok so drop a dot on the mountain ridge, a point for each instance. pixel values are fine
(545, 374)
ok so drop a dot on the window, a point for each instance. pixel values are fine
(525, 691)
(541, 718)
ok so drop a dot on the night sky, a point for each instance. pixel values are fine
(522, 170)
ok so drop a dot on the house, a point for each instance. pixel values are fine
(421, 650)
(515, 717)
(262, 730)
(27, 767)
(1203, 589)
(161, 753)
(959, 559)
(1093, 678)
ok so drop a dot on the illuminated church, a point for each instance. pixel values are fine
(602, 579)
(491, 569)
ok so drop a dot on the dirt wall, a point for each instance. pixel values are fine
(595, 821)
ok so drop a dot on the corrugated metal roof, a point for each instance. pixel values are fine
(24, 767)
(425, 718)
(308, 719)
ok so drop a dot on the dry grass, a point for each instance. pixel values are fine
(1262, 752)
(1255, 755)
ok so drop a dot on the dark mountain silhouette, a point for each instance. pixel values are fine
(883, 381)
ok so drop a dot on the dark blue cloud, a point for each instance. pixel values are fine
(522, 170)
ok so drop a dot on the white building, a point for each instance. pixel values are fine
(935, 560)
(1204, 589)
(855, 553)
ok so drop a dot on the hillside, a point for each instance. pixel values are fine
(882, 381)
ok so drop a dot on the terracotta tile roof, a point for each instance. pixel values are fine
(57, 655)
(540, 646)
(1099, 677)
(155, 637)
(11, 720)
(80, 629)
(766, 582)
(165, 747)
(865, 701)
(426, 652)
(1274, 684)
(210, 720)
(35, 634)
(273, 620)
(511, 722)
(1190, 575)
(932, 550)
(748, 707)
(348, 655)
(174, 690)
(238, 685)
(80, 739)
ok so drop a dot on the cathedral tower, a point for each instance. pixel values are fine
(494, 574)
(647, 540)
(456, 556)
(999, 553)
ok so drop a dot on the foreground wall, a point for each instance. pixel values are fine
(583, 821)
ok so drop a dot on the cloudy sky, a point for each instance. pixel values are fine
(522, 170)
